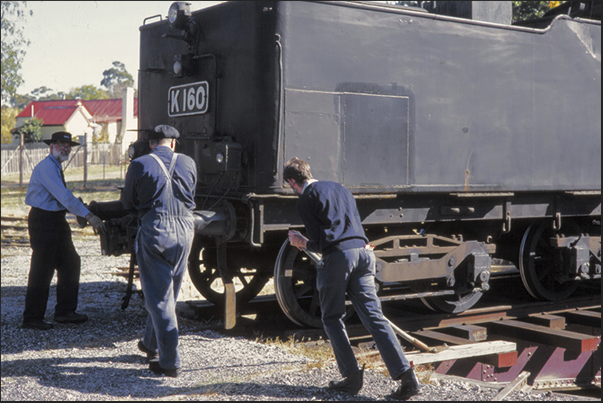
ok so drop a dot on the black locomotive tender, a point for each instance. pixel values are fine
(473, 147)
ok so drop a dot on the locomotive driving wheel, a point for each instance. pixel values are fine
(205, 275)
(295, 287)
(542, 266)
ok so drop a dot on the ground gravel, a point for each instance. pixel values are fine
(99, 359)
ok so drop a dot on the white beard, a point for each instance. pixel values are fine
(61, 156)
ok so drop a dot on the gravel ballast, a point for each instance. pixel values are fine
(99, 359)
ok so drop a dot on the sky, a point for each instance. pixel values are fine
(73, 42)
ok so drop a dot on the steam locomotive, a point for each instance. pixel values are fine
(472, 146)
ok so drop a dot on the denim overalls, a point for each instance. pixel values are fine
(163, 244)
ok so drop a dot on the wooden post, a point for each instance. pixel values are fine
(21, 149)
(84, 142)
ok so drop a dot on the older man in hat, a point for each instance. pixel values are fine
(50, 238)
(160, 187)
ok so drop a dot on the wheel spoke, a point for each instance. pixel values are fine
(296, 294)
(544, 271)
(303, 290)
(208, 281)
(242, 278)
(543, 245)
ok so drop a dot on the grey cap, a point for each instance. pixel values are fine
(164, 132)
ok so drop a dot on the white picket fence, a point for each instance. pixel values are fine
(24, 159)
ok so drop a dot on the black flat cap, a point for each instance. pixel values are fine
(164, 132)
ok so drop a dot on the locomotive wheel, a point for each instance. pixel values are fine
(452, 303)
(295, 287)
(540, 264)
(204, 274)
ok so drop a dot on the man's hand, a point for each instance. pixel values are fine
(298, 240)
(96, 223)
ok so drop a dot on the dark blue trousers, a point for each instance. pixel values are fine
(352, 271)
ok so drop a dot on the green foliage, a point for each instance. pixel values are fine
(20, 101)
(9, 118)
(45, 94)
(116, 79)
(13, 41)
(87, 93)
(530, 10)
(522, 10)
(31, 130)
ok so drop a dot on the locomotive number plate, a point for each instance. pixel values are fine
(188, 99)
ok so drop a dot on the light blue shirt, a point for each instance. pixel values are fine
(46, 190)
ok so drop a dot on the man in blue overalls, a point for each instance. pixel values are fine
(160, 187)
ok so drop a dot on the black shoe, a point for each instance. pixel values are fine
(71, 317)
(36, 324)
(350, 384)
(409, 386)
(159, 370)
(151, 355)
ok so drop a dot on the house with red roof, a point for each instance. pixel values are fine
(115, 119)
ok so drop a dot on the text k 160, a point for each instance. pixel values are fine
(188, 99)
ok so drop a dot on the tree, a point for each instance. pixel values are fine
(43, 93)
(31, 129)
(87, 93)
(522, 10)
(9, 118)
(19, 101)
(13, 41)
(116, 79)
(531, 10)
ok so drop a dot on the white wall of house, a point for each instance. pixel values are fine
(112, 130)
(129, 123)
(78, 123)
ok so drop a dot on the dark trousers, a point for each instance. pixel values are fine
(50, 239)
(352, 271)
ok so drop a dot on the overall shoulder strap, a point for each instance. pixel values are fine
(167, 173)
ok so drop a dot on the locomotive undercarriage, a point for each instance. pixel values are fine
(449, 274)
(447, 264)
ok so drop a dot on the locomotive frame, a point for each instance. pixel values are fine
(473, 148)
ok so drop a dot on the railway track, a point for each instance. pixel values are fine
(533, 344)
(14, 231)
(508, 337)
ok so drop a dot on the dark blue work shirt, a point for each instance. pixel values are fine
(329, 213)
(145, 181)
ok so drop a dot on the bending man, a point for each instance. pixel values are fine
(329, 213)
